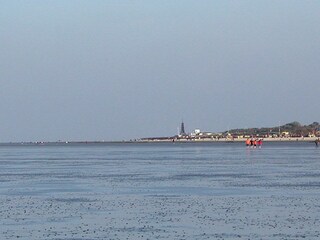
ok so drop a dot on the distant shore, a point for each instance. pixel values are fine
(276, 139)
(164, 140)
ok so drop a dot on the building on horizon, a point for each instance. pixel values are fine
(182, 130)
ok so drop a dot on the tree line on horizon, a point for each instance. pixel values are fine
(293, 129)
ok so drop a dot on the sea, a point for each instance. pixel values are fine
(190, 190)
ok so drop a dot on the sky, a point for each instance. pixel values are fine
(119, 70)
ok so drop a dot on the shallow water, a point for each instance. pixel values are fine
(160, 191)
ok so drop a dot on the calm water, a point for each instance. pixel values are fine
(96, 185)
(192, 169)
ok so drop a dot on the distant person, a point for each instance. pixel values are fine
(251, 142)
(317, 142)
(255, 143)
(248, 142)
(260, 143)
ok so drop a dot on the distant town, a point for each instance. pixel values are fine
(291, 131)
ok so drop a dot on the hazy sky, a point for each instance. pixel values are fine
(113, 70)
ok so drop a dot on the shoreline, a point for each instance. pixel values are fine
(159, 140)
(228, 140)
